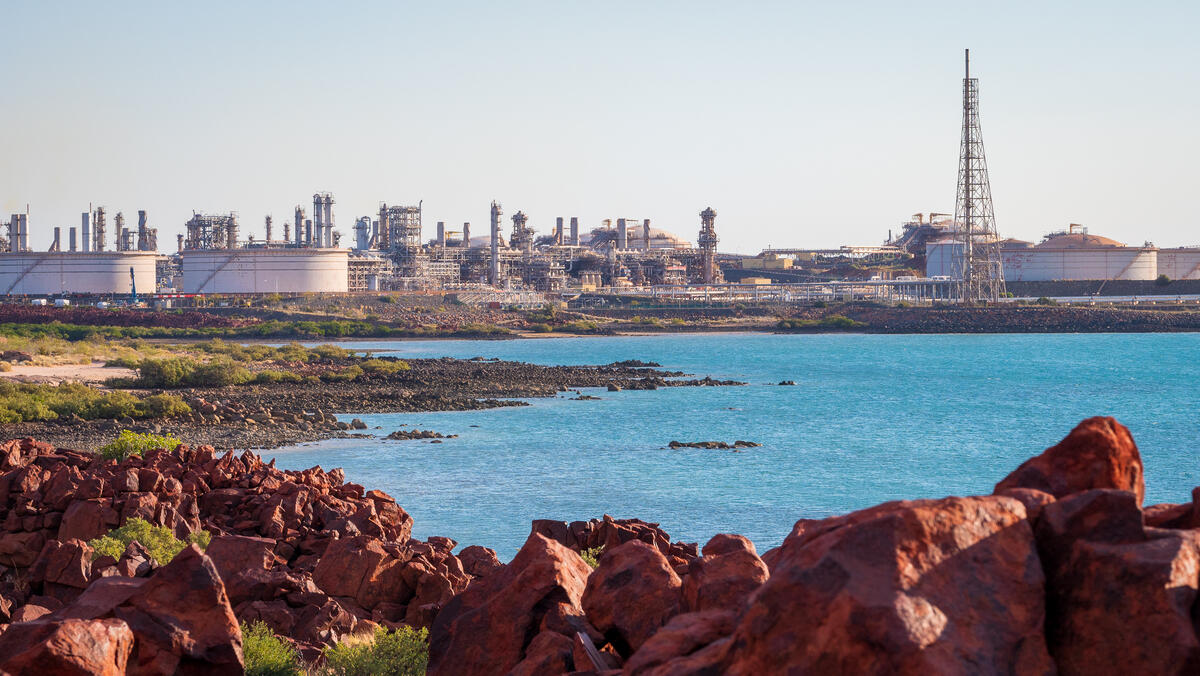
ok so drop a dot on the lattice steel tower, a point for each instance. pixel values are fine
(978, 268)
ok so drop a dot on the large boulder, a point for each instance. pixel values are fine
(927, 586)
(677, 643)
(364, 569)
(1098, 453)
(725, 576)
(632, 593)
(66, 648)
(1120, 598)
(488, 628)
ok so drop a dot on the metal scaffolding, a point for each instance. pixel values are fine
(707, 242)
(978, 267)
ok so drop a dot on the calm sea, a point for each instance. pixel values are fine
(871, 418)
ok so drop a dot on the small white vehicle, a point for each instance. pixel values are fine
(40, 302)
(61, 302)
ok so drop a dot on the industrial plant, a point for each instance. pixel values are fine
(958, 257)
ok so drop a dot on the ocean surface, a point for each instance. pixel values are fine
(871, 418)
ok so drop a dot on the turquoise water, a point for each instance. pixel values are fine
(871, 418)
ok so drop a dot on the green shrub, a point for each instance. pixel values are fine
(592, 556)
(162, 406)
(1046, 301)
(268, 655)
(128, 444)
(345, 375)
(384, 366)
(1162, 280)
(164, 373)
(404, 652)
(218, 373)
(540, 328)
(159, 541)
(830, 322)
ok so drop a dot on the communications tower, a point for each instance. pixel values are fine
(978, 269)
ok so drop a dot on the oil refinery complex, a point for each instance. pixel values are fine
(942, 256)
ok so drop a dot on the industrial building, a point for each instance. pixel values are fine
(84, 265)
(305, 260)
(1072, 254)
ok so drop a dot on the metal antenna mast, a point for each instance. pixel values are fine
(977, 264)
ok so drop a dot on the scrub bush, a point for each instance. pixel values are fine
(268, 655)
(160, 542)
(128, 444)
(404, 652)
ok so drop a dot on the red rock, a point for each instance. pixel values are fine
(86, 520)
(20, 550)
(361, 568)
(486, 629)
(548, 653)
(328, 623)
(182, 620)
(479, 561)
(725, 576)
(135, 561)
(67, 648)
(67, 563)
(1098, 453)
(235, 553)
(684, 635)
(927, 586)
(29, 612)
(1120, 598)
(631, 594)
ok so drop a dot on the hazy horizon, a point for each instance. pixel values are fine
(802, 126)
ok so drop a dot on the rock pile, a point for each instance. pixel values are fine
(314, 557)
(714, 445)
(1059, 571)
(233, 413)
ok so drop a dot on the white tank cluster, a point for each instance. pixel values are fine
(306, 260)
(1069, 255)
(85, 266)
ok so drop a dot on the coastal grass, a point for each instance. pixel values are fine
(403, 652)
(266, 654)
(159, 541)
(832, 322)
(128, 444)
(29, 402)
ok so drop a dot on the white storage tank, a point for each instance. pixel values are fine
(290, 270)
(1179, 263)
(1063, 256)
(59, 272)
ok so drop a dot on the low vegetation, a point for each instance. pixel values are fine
(832, 322)
(160, 542)
(128, 444)
(403, 652)
(332, 328)
(592, 556)
(27, 402)
(266, 654)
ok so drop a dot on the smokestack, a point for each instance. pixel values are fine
(646, 234)
(441, 234)
(466, 242)
(494, 269)
(317, 221)
(268, 219)
(14, 233)
(328, 220)
(71, 236)
(308, 228)
(25, 232)
(87, 230)
(180, 241)
(299, 223)
(574, 231)
(56, 246)
(622, 235)
(558, 231)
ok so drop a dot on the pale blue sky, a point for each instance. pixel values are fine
(802, 124)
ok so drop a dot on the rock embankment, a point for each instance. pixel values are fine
(1061, 570)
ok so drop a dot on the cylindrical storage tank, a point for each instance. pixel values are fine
(1040, 264)
(1179, 263)
(306, 270)
(940, 257)
(45, 273)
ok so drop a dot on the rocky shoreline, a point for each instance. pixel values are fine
(1059, 570)
(279, 414)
